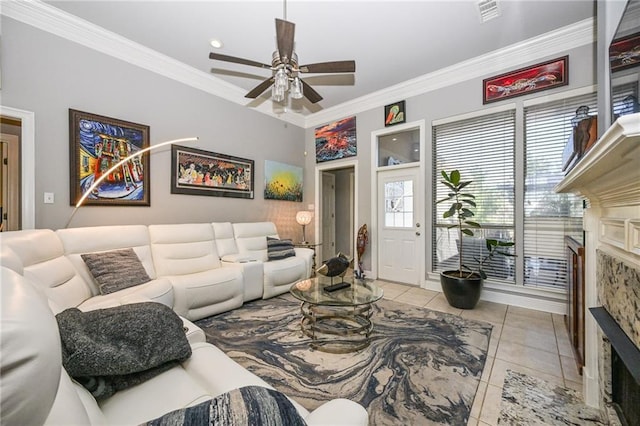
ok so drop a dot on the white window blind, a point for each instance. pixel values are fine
(549, 216)
(623, 98)
(482, 149)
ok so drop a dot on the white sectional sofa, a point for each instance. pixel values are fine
(197, 269)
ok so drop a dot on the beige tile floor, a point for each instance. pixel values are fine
(531, 342)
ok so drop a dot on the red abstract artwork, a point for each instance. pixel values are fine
(625, 52)
(526, 80)
(336, 140)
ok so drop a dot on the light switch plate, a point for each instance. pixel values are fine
(48, 198)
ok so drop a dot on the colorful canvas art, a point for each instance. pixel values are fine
(336, 140)
(200, 172)
(99, 143)
(282, 181)
(625, 52)
(527, 80)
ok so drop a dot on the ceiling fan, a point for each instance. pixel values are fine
(285, 68)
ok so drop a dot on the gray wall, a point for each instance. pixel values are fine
(48, 75)
(460, 98)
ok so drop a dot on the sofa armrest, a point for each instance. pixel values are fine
(307, 254)
(339, 412)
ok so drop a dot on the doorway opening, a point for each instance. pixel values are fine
(10, 171)
(26, 215)
(336, 194)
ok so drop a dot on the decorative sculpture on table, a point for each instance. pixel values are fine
(336, 266)
(361, 245)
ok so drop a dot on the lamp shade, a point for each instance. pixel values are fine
(304, 217)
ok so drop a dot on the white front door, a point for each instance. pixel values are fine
(400, 226)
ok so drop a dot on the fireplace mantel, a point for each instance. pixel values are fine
(608, 176)
(609, 173)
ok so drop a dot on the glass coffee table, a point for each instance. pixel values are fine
(337, 321)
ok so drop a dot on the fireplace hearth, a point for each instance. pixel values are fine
(625, 368)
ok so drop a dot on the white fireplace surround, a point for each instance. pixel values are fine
(608, 176)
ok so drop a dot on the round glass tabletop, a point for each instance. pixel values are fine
(357, 292)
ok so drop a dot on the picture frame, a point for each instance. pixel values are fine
(336, 140)
(282, 181)
(625, 52)
(523, 81)
(395, 114)
(199, 172)
(96, 144)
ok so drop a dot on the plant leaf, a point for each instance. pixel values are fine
(463, 184)
(467, 232)
(471, 203)
(455, 177)
(445, 176)
(473, 224)
(453, 188)
(468, 195)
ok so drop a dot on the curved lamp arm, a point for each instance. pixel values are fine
(118, 164)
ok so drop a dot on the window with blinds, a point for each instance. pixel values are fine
(624, 99)
(548, 216)
(482, 149)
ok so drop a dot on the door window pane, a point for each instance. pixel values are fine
(398, 204)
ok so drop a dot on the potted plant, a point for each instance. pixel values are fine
(462, 287)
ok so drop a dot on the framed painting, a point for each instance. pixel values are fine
(336, 140)
(625, 52)
(282, 181)
(198, 172)
(98, 143)
(394, 114)
(535, 78)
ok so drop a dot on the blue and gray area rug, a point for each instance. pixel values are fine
(421, 368)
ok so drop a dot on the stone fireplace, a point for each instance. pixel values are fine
(618, 286)
(608, 176)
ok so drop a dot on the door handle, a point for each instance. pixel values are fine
(418, 225)
(417, 234)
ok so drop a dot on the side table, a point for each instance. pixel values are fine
(312, 246)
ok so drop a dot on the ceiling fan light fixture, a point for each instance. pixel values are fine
(215, 43)
(296, 88)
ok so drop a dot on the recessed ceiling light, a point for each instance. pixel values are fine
(216, 43)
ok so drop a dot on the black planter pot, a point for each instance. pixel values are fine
(461, 293)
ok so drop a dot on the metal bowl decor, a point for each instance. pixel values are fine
(336, 266)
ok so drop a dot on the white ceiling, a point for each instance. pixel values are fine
(391, 41)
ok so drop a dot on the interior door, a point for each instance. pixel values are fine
(400, 226)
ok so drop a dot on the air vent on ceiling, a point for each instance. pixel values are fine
(488, 9)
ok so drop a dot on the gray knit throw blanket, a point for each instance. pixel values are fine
(111, 349)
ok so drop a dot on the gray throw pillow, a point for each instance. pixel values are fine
(279, 249)
(116, 270)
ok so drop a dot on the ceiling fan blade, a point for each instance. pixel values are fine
(328, 67)
(257, 91)
(227, 58)
(310, 94)
(285, 32)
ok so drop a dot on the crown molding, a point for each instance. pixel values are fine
(60, 23)
(515, 56)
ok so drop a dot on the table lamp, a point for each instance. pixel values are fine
(304, 218)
